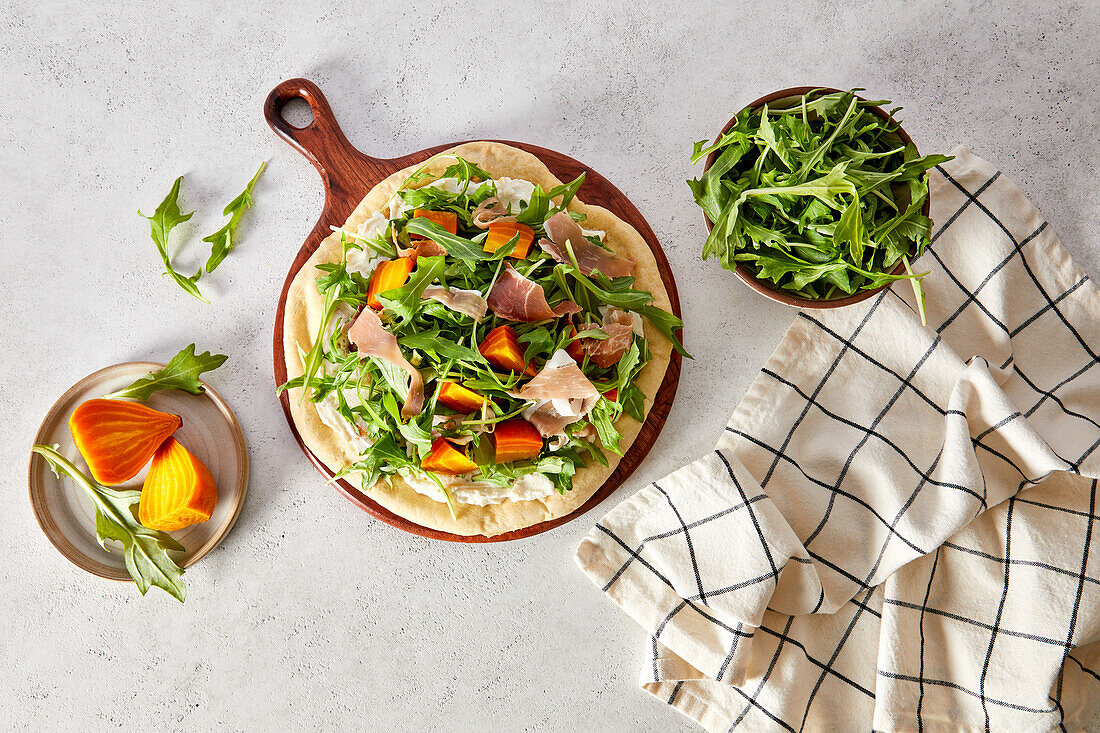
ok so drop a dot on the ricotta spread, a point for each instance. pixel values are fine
(330, 416)
(482, 493)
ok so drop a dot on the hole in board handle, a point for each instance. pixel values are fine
(297, 113)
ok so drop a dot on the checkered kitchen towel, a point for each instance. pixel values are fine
(895, 530)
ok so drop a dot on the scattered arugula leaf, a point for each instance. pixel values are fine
(224, 240)
(181, 372)
(145, 550)
(163, 220)
(442, 347)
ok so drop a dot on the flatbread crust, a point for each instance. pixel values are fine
(303, 316)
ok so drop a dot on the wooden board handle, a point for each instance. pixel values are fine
(322, 138)
(346, 173)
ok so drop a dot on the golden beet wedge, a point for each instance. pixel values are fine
(445, 458)
(117, 437)
(178, 491)
(457, 397)
(502, 232)
(501, 348)
(516, 440)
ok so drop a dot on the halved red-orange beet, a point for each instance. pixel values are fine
(118, 437)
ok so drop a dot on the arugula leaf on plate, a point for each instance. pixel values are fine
(603, 418)
(161, 223)
(145, 550)
(181, 372)
(224, 240)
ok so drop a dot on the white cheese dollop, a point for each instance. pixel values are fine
(453, 185)
(362, 260)
(330, 416)
(511, 191)
(480, 493)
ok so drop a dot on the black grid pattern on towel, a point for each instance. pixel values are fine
(1001, 637)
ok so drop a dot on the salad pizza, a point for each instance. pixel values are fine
(476, 348)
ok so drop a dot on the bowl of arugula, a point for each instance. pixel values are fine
(815, 198)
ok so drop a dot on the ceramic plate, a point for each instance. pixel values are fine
(210, 431)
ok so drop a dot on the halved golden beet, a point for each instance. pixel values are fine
(178, 491)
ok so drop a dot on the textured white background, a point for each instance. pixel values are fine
(311, 615)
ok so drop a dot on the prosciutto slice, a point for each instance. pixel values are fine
(490, 210)
(372, 339)
(561, 229)
(619, 327)
(517, 298)
(561, 393)
(421, 248)
(469, 302)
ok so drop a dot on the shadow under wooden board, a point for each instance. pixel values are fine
(348, 175)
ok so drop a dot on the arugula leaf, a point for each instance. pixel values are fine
(442, 347)
(145, 550)
(540, 341)
(609, 292)
(567, 191)
(603, 417)
(826, 188)
(416, 435)
(181, 372)
(458, 247)
(633, 401)
(668, 324)
(465, 171)
(849, 230)
(404, 301)
(629, 364)
(163, 220)
(223, 240)
(776, 145)
(918, 292)
(537, 209)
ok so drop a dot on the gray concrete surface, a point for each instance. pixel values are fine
(312, 616)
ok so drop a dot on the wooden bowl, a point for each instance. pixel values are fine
(348, 175)
(765, 287)
(210, 431)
